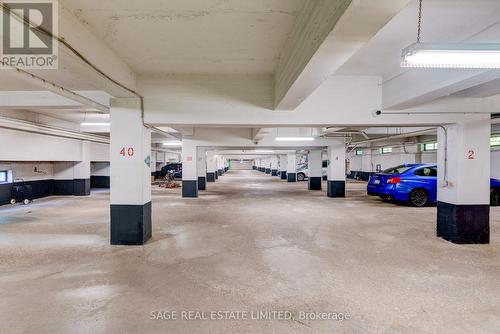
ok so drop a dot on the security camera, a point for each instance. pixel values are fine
(377, 113)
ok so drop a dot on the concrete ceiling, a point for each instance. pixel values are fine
(196, 36)
(443, 21)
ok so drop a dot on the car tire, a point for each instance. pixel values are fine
(495, 197)
(301, 177)
(12, 201)
(419, 198)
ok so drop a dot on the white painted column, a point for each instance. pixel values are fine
(283, 166)
(130, 174)
(463, 192)
(211, 166)
(274, 165)
(153, 165)
(315, 166)
(336, 169)
(268, 166)
(202, 168)
(189, 168)
(73, 178)
(291, 169)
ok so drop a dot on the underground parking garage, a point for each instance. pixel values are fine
(281, 166)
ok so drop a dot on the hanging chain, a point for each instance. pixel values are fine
(419, 31)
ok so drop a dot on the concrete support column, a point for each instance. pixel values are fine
(463, 194)
(130, 174)
(336, 170)
(268, 166)
(274, 165)
(291, 167)
(315, 165)
(202, 168)
(211, 166)
(220, 166)
(73, 178)
(153, 165)
(189, 169)
(81, 172)
(283, 166)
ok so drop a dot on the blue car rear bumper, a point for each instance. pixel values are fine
(398, 192)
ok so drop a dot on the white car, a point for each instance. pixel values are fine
(303, 171)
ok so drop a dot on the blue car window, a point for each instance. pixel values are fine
(426, 171)
(397, 170)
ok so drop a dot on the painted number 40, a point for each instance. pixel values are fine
(127, 152)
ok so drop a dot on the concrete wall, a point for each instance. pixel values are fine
(26, 170)
(371, 157)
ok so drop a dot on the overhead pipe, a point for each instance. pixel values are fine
(85, 101)
(397, 136)
(20, 125)
(59, 90)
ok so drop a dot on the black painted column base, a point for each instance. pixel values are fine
(220, 172)
(254, 167)
(315, 183)
(274, 172)
(216, 175)
(268, 170)
(210, 177)
(283, 175)
(97, 181)
(291, 177)
(130, 224)
(189, 188)
(463, 224)
(202, 183)
(81, 187)
(336, 189)
(76, 187)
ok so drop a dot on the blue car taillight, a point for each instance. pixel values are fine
(394, 180)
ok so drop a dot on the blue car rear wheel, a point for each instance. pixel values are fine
(419, 198)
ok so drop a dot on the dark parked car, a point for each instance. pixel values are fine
(175, 168)
(495, 192)
(415, 184)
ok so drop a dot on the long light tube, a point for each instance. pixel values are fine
(94, 124)
(460, 55)
(172, 143)
(294, 138)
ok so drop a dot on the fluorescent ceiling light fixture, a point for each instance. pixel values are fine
(263, 151)
(94, 124)
(172, 143)
(294, 138)
(452, 55)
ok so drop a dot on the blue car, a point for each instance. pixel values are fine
(412, 183)
(415, 184)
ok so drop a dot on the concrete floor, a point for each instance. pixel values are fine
(250, 243)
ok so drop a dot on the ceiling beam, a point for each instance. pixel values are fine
(417, 87)
(327, 33)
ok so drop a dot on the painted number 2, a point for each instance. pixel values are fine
(127, 151)
(471, 155)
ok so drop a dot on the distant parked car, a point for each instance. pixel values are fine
(303, 171)
(495, 192)
(415, 184)
(175, 168)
